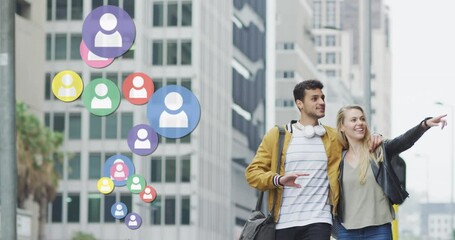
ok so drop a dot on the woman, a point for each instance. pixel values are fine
(365, 210)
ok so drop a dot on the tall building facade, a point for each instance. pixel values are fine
(248, 68)
(214, 48)
(300, 55)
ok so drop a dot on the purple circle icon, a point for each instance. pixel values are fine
(108, 31)
(142, 140)
(133, 221)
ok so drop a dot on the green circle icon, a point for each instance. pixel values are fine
(101, 97)
(136, 183)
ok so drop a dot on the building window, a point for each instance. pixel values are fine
(317, 41)
(95, 127)
(186, 211)
(109, 200)
(48, 46)
(61, 12)
(75, 43)
(330, 58)
(330, 40)
(74, 126)
(126, 124)
(172, 14)
(331, 14)
(94, 208)
(57, 209)
(76, 9)
(73, 207)
(169, 210)
(186, 52)
(74, 167)
(186, 14)
(111, 126)
(155, 171)
(94, 162)
(170, 173)
(156, 211)
(158, 14)
(58, 166)
(319, 58)
(127, 200)
(157, 52)
(331, 73)
(171, 52)
(317, 14)
(285, 46)
(285, 74)
(185, 171)
(60, 47)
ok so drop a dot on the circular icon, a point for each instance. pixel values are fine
(108, 31)
(135, 183)
(119, 210)
(92, 59)
(67, 86)
(138, 88)
(142, 140)
(133, 221)
(148, 195)
(118, 168)
(105, 185)
(173, 111)
(101, 97)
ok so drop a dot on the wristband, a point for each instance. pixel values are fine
(425, 122)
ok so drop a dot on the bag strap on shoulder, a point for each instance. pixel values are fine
(279, 153)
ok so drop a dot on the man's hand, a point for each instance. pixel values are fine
(375, 141)
(289, 180)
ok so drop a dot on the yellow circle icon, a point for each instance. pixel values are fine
(105, 185)
(67, 86)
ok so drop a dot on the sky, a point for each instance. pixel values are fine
(423, 73)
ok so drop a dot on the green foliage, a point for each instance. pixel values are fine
(83, 236)
(37, 150)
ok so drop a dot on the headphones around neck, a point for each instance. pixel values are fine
(310, 131)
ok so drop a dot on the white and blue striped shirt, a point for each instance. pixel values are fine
(308, 204)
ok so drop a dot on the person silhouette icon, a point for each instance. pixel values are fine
(147, 193)
(105, 186)
(119, 171)
(103, 102)
(132, 222)
(136, 185)
(138, 90)
(173, 101)
(119, 211)
(108, 22)
(67, 89)
(93, 57)
(142, 142)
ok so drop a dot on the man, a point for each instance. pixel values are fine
(307, 185)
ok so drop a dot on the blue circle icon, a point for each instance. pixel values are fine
(108, 31)
(173, 111)
(119, 210)
(118, 168)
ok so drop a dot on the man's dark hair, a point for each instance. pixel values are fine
(299, 89)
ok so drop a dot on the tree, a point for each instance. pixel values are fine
(37, 151)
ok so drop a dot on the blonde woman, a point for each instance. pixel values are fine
(365, 208)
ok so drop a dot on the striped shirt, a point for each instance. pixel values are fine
(308, 204)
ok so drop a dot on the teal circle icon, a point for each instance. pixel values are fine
(136, 183)
(101, 97)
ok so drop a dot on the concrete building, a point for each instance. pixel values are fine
(435, 221)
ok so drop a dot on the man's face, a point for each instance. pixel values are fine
(313, 104)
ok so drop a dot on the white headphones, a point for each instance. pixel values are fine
(310, 131)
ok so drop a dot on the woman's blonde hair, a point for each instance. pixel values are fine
(365, 155)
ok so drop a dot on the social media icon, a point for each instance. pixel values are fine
(67, 86)
(173, 111)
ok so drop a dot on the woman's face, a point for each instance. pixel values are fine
(354, 125)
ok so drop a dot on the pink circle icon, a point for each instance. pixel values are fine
(91, 59)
